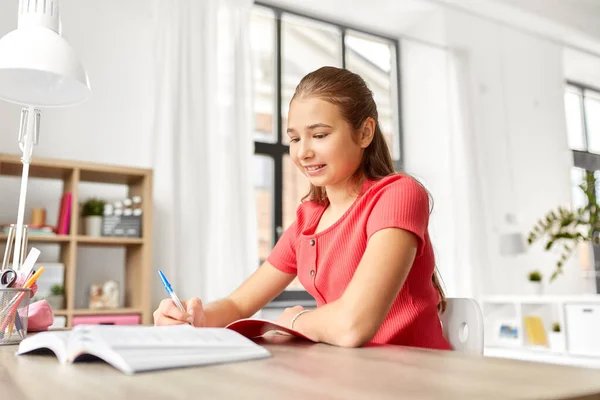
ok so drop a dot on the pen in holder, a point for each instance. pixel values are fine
(14, 301)
(10, 243)
(14, 307)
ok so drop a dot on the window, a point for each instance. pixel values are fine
(582, 113)
(285, 47)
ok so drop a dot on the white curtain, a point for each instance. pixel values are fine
(468, 183)
(204, 224)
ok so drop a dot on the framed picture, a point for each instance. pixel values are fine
(104, 295)
(506, 332)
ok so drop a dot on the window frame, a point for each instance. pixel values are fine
(276, 150)
(584, 158)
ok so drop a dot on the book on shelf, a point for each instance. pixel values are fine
(37, 230)
(132, 349)
(64, 214)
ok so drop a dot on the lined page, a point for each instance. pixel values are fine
(178, 336)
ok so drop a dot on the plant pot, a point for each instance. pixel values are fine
(556, 341)
(93, 225)
(57, 302)
(535, 288)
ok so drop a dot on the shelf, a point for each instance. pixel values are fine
(88, 311)
(39, 168)
(10, 164)
(42, 238)
(138, 253)
(109, 241)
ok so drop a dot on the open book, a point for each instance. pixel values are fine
(134, 349)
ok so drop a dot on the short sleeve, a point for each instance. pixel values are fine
(283, 256)
(403, 204)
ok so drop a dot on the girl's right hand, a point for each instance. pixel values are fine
(167, 313)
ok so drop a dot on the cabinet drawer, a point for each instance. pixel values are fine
(583, 329)
(120, 319)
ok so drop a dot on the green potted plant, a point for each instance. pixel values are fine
(565, 229)
(535, 282)
(56, 299)
(556, 339)
(92, 212)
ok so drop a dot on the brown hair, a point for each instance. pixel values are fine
(351, 94)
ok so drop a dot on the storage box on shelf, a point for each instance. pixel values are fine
(577, 343)
(138, 252)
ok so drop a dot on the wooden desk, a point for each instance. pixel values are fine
(304, 371)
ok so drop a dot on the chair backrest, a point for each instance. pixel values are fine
(462, 325)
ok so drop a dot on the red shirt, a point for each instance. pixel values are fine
(325, 262)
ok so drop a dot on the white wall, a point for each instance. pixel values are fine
(114, 40)
(516, 84)
(426, 131)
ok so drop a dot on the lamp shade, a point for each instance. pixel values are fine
(39, 68)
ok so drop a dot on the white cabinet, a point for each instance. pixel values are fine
(578, 343)
(583, 329)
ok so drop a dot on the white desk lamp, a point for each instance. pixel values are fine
(38, 68)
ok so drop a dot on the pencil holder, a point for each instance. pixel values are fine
(14, 307)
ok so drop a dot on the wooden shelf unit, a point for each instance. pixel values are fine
(138, 251)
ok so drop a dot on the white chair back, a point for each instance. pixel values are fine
(462, 325)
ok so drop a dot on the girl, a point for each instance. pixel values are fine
(359, 245)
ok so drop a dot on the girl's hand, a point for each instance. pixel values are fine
(168, 313)
(285, 319)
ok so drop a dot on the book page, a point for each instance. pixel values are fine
(53, 341)
(178, 336)
(142, 348)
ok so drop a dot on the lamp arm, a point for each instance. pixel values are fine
(28, 136)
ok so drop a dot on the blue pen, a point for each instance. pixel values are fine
(170, 291)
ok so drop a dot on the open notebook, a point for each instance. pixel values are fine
(134, 349)
(255, 327)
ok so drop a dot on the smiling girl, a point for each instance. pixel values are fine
(359, 245)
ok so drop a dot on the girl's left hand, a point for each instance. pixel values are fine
(285, 319)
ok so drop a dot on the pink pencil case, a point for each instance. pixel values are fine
(39, 314)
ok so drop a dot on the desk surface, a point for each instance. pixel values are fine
(305, 371)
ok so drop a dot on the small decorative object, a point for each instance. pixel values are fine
(123, 218)
(506, 332)
(92, 213)
(556, 327)
(104, 295)
(566, 229)
(111, 294)
(556, 339)
(56, 299)
(536, 335)
(535, 283)
(38, 217)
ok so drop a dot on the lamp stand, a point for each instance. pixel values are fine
(28, 137)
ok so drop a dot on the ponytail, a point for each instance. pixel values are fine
(436, 284)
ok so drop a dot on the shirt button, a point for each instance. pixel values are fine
(312, 272)
(312, 242)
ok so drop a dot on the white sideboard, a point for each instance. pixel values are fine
(578, 342)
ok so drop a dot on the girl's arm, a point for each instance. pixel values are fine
(354, 318)
(262, 286)
(259, 289)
